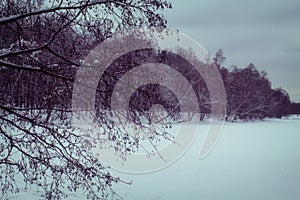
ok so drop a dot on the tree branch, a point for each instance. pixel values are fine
(13, 18)
(12, 65)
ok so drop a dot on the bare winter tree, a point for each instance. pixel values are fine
(42, 44)
(249, 93)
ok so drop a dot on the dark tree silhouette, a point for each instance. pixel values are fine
(250, 95)
(295, 108)
(42, 43)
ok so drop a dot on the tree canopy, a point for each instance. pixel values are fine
(250, 95)
(42, 44)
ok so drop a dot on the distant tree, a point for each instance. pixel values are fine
(219, 58)
(280, 102)
(250, 95)
(248, 91)
(294, 108)
(198, 82)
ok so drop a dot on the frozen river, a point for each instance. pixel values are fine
(256, 160)
(253, 160)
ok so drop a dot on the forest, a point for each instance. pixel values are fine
(249, 92)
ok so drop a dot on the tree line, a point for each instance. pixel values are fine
(250, 95)
(249, 92)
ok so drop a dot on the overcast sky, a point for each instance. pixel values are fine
(264, 32)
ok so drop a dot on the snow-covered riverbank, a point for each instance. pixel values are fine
(252, 160)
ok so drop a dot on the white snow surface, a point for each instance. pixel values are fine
(252, 160)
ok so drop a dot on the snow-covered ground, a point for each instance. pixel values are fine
(252, 160)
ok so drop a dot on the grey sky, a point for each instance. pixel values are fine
(265, 32)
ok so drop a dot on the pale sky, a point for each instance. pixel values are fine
(264, 32)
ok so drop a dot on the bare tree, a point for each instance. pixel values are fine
(42, 44)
